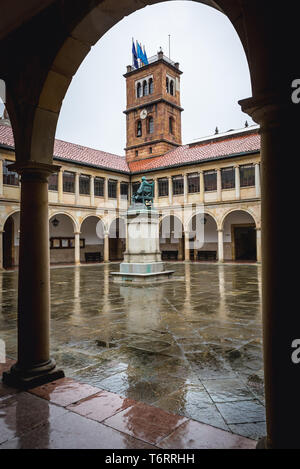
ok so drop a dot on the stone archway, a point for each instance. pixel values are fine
(239, 236)
(171, 235)
(117, 239)
(92, 236)
(62, 239)
(203, 237)
(10, 243)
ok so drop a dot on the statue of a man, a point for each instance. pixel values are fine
(145, 193)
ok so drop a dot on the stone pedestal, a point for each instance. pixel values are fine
(142, 259)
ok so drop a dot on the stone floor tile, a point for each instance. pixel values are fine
(22, 412)
(72, 431)
(64, 391)
(194, 435)
(145, 422)
(250, 430)
(101, 406)
(227, 390)
(242, 412)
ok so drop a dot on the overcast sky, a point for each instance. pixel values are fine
(211, 57)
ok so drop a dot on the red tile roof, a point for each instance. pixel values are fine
(74, 153)
(218, 147)
(203, 151)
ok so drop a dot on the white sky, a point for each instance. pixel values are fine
(211, 57)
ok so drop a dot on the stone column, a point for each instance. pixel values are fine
(257, 180)
(170, 191)
(237, 183)
(201, 187)
(219, 185)
(60, 186)
(1, 178)
(106, 247)
(77, 248)
(118, 194)
(34, 366)
(155, 191)
(1, 250)
(92, 190)
(221, 245)
(105, 190)
(258, 244)
(279, 121)
(77, 189)
(185, 185)
(186, 246)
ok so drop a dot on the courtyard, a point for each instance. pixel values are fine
(191, 346)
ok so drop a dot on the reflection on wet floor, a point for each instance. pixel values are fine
(191, 346)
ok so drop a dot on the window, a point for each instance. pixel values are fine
(11, 178)
(150, 125)
(53, 182)
(145, 88)
(167, 85)
(139, 129)
(163, 187)
(247, 175)
(171, 125)
(178, 185)
(228, 178)
(84, 184)
(193, 183)
(139, 90)
(99, 187)
(135, 185)
(112, 189)
(69, 182)
(150, 150)
(136, 153)
(151, 87)
(124, 190)
(210, 181)
(172, 87)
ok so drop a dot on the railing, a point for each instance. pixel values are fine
(157, 57)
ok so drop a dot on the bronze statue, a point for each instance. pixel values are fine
(145, 193)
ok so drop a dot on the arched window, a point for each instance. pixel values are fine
(172, 87)
(171, 125)
(139, 90)
(150, 86)
(167, 85)
(139, 129)
(145, 88)
(150, 125)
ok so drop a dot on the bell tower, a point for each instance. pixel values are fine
(153, 112)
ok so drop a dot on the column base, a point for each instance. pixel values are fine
(31, 378)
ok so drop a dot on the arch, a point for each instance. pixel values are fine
(151, 86)
(223, 219)
(117, 243)
(7, 217)
(172, 87)
(75, 222)
(167, 85)
(145, 88)
(92, 233)
(100, 218)
(239, 228)
(139, 128)
(171, 233)
(10, 244)
(139, 90)
(150, 125)
(206, 212)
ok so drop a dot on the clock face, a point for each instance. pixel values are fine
(143, 114)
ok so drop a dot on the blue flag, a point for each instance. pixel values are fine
(140, 53)
(145, 57)
(134, 56)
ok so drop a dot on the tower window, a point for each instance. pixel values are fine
(171, 125)
(145, 88)
(139, 90)
(150, 150)
(139, 129)
(172, 87)
(150, 125)
(151, 86)
(167, 85)
(136, 153)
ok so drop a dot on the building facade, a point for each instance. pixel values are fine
(211, 186)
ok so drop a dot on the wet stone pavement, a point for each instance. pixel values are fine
(191, 346)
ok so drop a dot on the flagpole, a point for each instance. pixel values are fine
(170, 46)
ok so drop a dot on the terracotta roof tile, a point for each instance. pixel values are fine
(201, 152)
(74, 153)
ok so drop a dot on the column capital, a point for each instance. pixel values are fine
(31, 170)
(220, 230)
(77, 232)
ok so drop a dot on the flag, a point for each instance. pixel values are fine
(134, 56)
(145, 57)
(140, 53)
